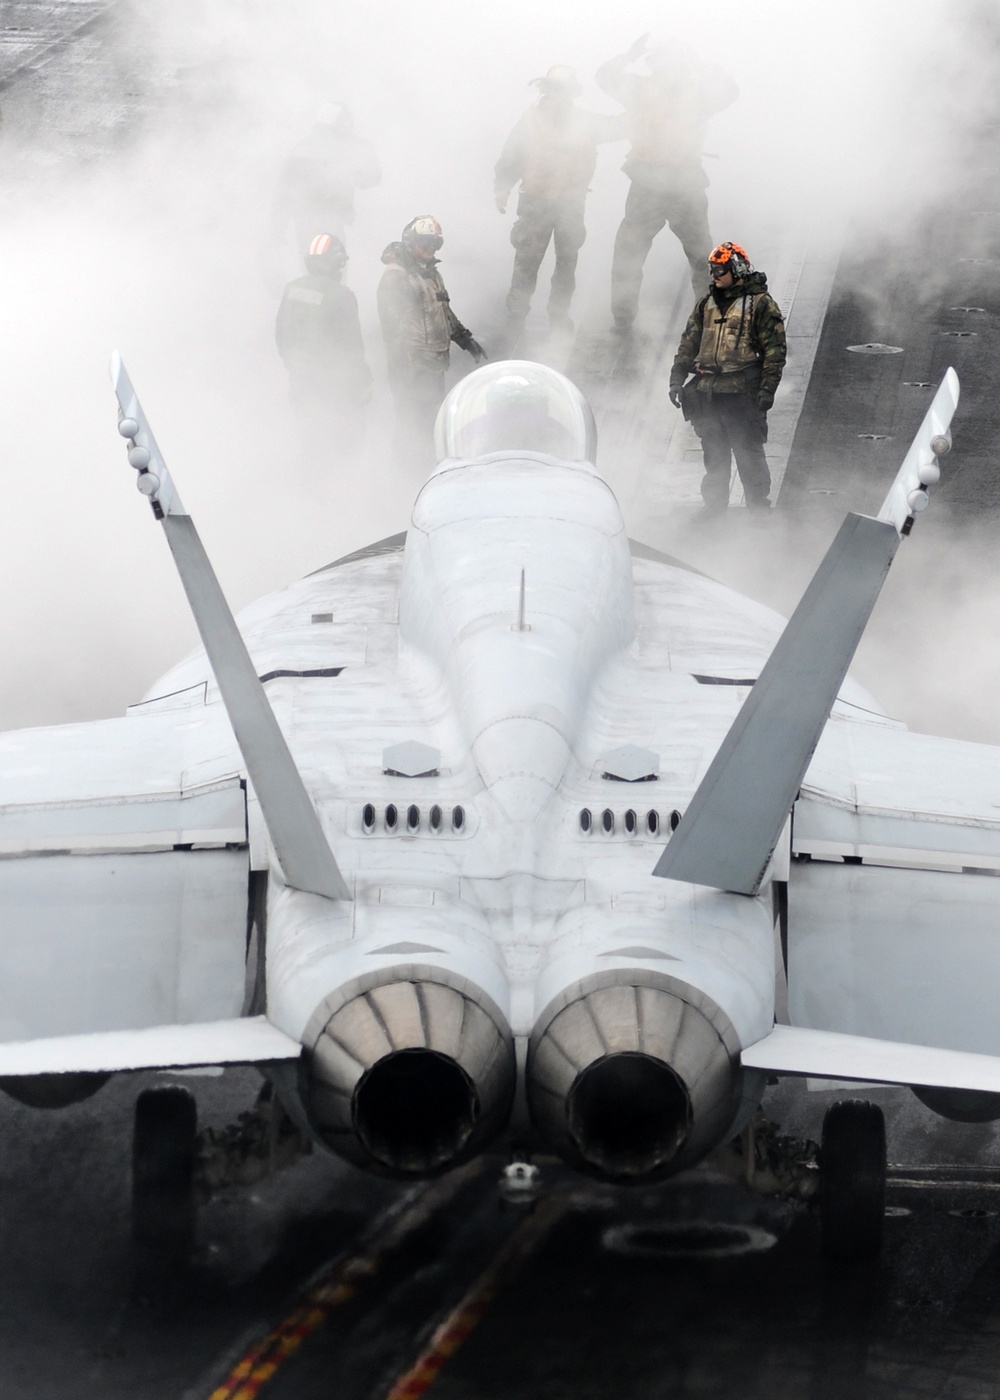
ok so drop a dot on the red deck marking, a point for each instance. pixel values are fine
(336, 1287)
(463, 1320)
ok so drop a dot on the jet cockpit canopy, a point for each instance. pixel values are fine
(512, 406)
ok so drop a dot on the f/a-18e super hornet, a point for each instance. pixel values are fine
(511, 826)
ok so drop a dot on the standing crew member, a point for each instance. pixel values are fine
(319, 178)
(734, 342)
(418, 326)
(667, 111)
(319, 339)
(552, 151)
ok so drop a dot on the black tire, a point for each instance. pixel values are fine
(852, 1167)
(164, 1151)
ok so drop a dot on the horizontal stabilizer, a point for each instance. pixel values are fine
(249, 1040)
(300, 844)
(794, 1050)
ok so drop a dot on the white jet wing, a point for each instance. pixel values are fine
(249, 1040)
(793, 1050)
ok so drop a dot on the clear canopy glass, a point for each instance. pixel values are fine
(516, 405)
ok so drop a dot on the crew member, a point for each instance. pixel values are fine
(667, 111)
(418, 326)
(320, 176)
(552, 151)
(734, 342)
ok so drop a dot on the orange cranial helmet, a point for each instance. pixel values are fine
(732, 258)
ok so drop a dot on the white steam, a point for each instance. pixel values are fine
(154, 239)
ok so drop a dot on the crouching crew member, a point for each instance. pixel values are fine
(734, 343)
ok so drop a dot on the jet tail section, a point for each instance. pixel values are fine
(735, 818)
(300, 844)
(907, 495)
(733, 822)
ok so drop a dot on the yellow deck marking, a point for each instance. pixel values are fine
(463, 1319)
(336, 1285)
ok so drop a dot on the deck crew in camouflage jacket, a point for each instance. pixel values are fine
(734, 345)
(418, 327)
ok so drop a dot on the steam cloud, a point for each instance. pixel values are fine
(137, 203)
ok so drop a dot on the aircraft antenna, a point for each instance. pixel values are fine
(522, 626)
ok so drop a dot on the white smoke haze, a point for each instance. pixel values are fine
(160, 247)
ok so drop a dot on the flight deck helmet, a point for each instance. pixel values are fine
(731, 258)
(336, 116)
(423, 232)
(326, 254)
(670, 59)
(559, 81)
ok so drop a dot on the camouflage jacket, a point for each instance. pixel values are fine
(761, 368)
(668, 112)
(418, 323)
(553, 151)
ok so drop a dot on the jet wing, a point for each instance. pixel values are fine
(123, 879)
(794, 1050)
(247, 1040)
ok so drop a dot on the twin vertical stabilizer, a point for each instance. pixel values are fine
(734, 820)
(300, 844)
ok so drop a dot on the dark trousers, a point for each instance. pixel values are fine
(417, 396)
(539, 222)
(731, 425)
(331, 419)
(646, 211)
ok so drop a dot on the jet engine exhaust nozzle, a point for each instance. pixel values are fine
(411, 1077)
(631, 1081)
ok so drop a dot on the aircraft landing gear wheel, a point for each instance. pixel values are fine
(852, 1167)
(164, 1150)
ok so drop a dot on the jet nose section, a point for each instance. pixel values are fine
(631, 1080)
(412, 1076)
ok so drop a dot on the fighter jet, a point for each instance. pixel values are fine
(508, 829)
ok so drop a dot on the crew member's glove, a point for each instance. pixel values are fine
(674, 396)
(765, 399)
(501, 200)
(475, 350)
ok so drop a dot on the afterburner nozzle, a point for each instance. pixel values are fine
(632, 1079)
(411, 1076)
